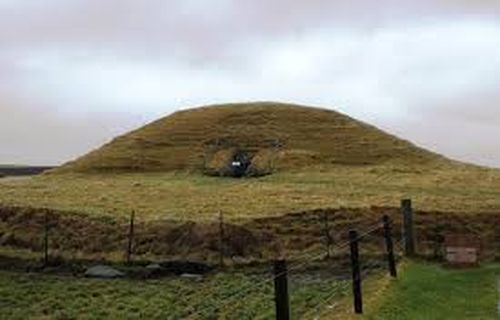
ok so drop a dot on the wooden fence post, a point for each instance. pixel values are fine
(130, 237)
(221, 239)
(356, 272)
(46, 240)
(408, 235)
(389, 246)
(328, 237)
(281, 290)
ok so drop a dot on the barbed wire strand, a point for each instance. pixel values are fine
(323, 301)
(372, 265)
(252, 286)
(292, 268)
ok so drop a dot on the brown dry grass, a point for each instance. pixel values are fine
(154, 196)
(326, 160)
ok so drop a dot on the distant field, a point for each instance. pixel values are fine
(460, 188)
(19, 170)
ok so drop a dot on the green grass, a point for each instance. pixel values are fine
(428, 292)
(190, 196)
(422, 292)
(30, 296)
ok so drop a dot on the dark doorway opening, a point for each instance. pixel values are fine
(240, 163)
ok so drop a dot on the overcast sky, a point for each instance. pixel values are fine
(75, 73)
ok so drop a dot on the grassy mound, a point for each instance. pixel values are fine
(320, 159)
(289, 136)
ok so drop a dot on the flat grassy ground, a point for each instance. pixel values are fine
(31, 296)
(182, 196)
(428, 292)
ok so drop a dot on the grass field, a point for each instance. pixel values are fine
(182, 196)
(428, 292)
(423, 291)
(31, 296)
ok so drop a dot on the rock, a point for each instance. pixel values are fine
(185, 267)
(154, 270)
(153, 266)
(104, 272)
(191, 276)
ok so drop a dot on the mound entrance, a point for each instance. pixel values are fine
(225, 157)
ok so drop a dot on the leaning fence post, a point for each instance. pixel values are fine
(130, 237)
(281, 290)
(46, 240)
(221, 239)
(328, 237)
(356, 272)
(389, 246)
(408, 236)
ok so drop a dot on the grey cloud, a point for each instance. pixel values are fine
(225, 37)
(474, 142)
(474, 108)
(37, 134)
(205, 29)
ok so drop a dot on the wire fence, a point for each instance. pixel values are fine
(313, 248)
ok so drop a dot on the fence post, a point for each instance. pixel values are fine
(389, 246)
(281, 290)
(408, 236)
(130, 237)
(46, 240)
(356, 272)
(221, 239)
(328, 237)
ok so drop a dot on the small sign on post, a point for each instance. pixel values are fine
(462, 250)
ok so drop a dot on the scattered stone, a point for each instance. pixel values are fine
(154, 270)
(192, 276)
(185, 267)
(153, 266)
(104, 272)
